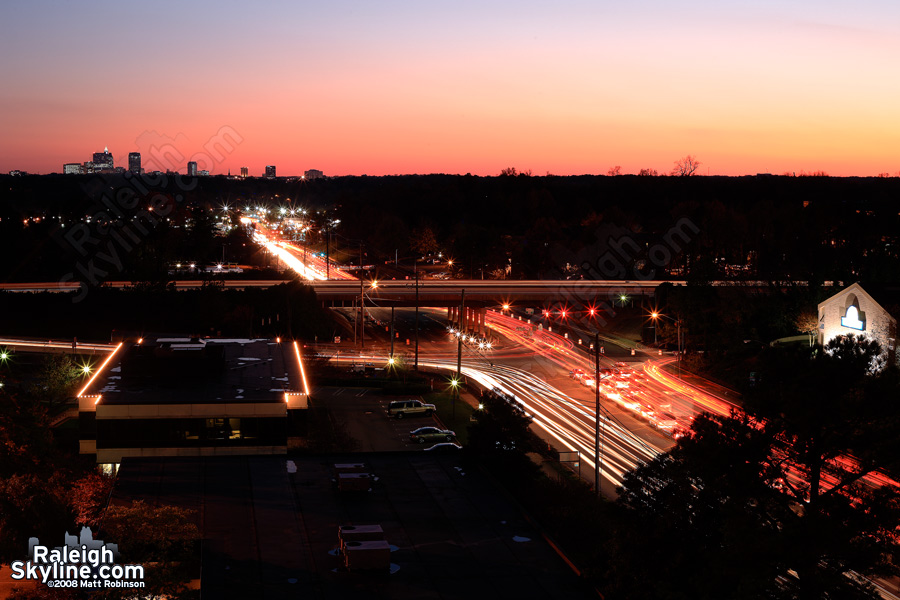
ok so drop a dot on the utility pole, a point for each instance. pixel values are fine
(459, 343)
(362, 314)
(327, 250)
(679, 348)
(362, 304)
(392, 333)
(416, 269)
(597, 456)
(462, 309)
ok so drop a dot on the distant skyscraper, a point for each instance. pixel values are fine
(103, 162)
(134, 162)
(313, 174)
(192, 168)
(245, 172)
(73, 169)
(270, 170)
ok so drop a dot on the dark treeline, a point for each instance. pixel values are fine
(761, 227)
(288, 309)
(817, 228)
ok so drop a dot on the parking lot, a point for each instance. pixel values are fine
(363, 414)
(270, 527)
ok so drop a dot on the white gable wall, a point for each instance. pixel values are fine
(878, 323)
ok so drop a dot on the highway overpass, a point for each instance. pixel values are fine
(430, 292)
(478, 292)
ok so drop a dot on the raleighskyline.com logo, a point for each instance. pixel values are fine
(84, 563)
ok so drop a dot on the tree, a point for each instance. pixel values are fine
(835, 421)
(775, 502)
(613, 171)
(509, 172)
(695, 522)
(423, 241)
(808, 322)
(685, 167)
(648, 173)
(88, 497)
(501, 426)
(40, 591)
(33, 477)
(56, 380)
(31, 504)
(162, 538)
(25, 438)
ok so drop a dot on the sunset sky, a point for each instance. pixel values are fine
(354, 87)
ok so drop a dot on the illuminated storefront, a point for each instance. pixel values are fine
(854, 311)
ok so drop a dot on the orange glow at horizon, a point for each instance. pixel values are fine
(767, 88)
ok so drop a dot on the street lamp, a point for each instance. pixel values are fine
(416, 272)
(454, 393)
(656, 316)
(598, 448)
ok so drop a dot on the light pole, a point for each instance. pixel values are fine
(597, 455)
(416, 269)
(598, 438)
(460, 334)
(362, 304)
(362, 312)
(598, 444)
(454, 392)
(656, 316)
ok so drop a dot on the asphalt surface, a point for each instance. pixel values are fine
(362, 412)
(270, 527)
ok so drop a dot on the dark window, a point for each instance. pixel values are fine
(137, 433)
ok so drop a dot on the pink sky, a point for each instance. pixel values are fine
(456, 87)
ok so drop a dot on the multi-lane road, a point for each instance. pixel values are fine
(537, 367)
(644, 406)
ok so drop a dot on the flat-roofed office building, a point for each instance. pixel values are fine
(134, 162)
(194, 397)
